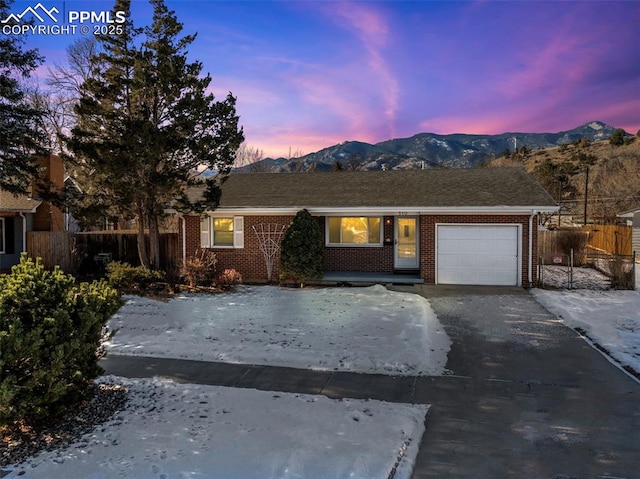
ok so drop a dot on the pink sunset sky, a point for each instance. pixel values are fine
(310, 74)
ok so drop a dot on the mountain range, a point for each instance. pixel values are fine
(428, 150)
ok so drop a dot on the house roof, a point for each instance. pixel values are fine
(434, 188)
(10, 203)
(628, 214)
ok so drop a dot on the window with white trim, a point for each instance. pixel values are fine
(1, 235)
(222, 232)
(354, 230)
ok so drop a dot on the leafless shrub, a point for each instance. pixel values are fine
(573, 239)
(621, 271)
(228, 279)
(200, 268)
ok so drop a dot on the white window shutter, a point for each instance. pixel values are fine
(205, 232)
(238, 231)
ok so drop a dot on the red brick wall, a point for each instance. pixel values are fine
(249, 261)
(193, 234)
(427, 240)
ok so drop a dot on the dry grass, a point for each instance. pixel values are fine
(614, 175)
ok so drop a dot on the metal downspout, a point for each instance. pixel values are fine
(530, 268)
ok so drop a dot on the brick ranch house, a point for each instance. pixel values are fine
(449, 226)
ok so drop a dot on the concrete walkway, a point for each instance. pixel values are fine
(526, 397)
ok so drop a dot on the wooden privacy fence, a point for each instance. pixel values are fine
(612, 239)
(54, 247)
(88, 252)
(93, 249)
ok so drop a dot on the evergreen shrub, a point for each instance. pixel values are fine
(50, 331)
(131, 279)
(302, 250)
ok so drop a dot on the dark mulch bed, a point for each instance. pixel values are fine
(20, 441)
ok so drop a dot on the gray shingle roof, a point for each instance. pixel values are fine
(483, 187)
(10, 203)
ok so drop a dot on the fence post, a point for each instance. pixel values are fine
(571, 269)
(541, 271)
(634, 277)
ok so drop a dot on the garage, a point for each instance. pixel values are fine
(478, 254)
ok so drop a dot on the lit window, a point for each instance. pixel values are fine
(222, 232)
(354, 230)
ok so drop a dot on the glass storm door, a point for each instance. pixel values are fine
(406, 240)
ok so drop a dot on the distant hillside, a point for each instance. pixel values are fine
(429, 150)
(614, 176)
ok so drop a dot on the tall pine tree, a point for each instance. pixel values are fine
(20, 124)
(145, 123)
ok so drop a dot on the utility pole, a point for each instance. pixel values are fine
(586, 192)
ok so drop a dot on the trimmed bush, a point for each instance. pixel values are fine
(50, 331)
(302, 250)
(131, 279)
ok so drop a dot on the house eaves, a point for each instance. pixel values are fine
(365, 211)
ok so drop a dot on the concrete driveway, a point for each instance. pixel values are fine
(526, 398)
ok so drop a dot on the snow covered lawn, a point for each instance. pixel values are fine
(583, 278)
(182, 431)
(366, 330)
(170, 430)
(609, 318)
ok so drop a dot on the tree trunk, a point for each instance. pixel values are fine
(142, 241)
(154, 242)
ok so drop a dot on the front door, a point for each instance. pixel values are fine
(406, 242)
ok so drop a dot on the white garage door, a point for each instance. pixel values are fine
(477, 254)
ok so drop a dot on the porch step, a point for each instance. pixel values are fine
(361, 277)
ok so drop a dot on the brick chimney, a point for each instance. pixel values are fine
(47, 216)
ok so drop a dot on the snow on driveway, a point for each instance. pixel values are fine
(609, 318)
(366, 330)
(209, 432)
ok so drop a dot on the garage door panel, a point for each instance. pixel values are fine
(477, 254)
(475, 233)
(467, 247)
(474, 277)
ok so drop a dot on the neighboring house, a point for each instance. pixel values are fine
(21, 214)
(16, 218)
(449, 226)
(633, 219)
